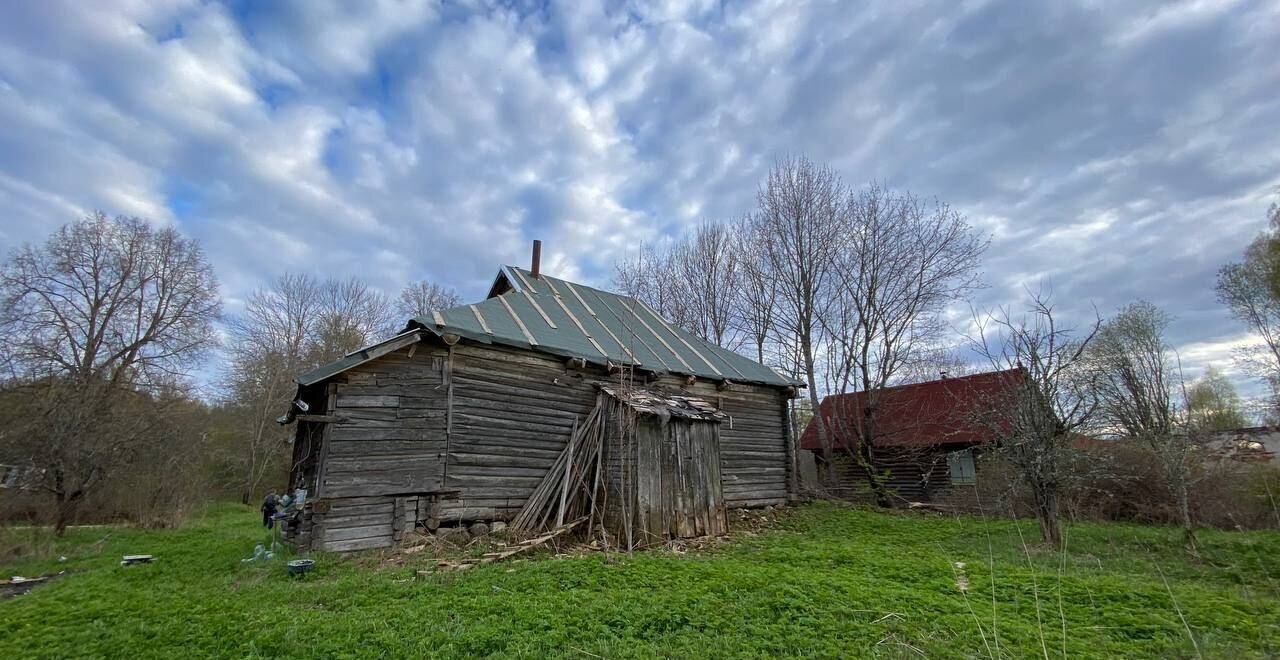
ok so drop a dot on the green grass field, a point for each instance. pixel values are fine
(826, 581)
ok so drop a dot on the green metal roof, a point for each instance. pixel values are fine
(555, 316)
(558, 317)
(360, 357)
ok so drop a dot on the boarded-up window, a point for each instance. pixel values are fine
(962, 469)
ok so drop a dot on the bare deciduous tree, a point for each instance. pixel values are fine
(351, 315)
(293, 325)
(708, 266)
(271, 341)
(1035, 423)
(418, 299)
(900, 265)
(801, 212)
(691, 282)
(652, 278)
(1136, 384)
(106, 310)
(758, 292)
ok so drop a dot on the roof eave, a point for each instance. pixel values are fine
(359, 357)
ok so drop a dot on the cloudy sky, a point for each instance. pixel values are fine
(1114, 150)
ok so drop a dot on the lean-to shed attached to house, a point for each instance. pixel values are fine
(663, 467)
(460, 417)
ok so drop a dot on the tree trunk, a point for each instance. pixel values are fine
(1188, 528)
(64, 512)
(824, 437)
(1047, 514)
(866, 455)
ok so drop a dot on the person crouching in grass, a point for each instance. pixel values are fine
(269, 509)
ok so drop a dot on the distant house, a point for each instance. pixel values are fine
(19, 477)
(1254, 444)
(460, 418)
(926, 439)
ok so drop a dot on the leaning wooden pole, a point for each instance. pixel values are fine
(568, 471)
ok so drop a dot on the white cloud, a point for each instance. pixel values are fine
(398, 140)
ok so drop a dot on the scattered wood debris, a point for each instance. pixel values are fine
(930, 506)
(490, 557)
(130, 560)
(18, 585)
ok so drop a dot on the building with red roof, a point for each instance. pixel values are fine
(923, 436)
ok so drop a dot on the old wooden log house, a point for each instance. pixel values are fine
(927, 437)
(469, 413)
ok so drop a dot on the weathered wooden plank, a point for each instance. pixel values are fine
(541, 460)
(342, 432)
(384, 463)
(548, 395)
(492, 492)
(517, 424)
(367, 401)
(380, 482)
(353, 515)
(511, 408)
(356, 544)
(326, 438)
(499, 474)
(479, 438)
(387, 448)
(337, 504)
(361, 522)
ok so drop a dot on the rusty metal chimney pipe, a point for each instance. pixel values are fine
(537, 258)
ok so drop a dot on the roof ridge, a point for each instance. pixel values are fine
(936, 381)
(526, 271)
(557, 316)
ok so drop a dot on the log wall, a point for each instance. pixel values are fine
(480, 425)
(915, 475)
(753, 441)
(513, 414)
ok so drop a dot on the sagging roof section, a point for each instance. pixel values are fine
(559, 317)
(666, 406)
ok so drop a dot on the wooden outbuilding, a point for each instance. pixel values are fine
(926, 441)
(663, 467)
(461, 417)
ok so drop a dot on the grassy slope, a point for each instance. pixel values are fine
(829, 582)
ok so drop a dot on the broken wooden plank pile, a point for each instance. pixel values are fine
(570, 487)
(521, 547)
